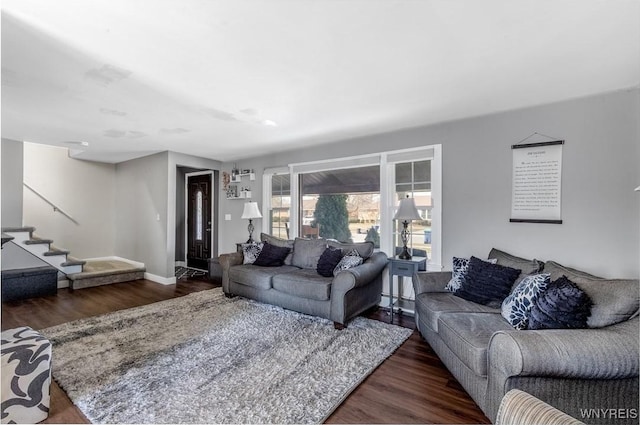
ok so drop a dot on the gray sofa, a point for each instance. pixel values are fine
(296, 285)
(572, 369)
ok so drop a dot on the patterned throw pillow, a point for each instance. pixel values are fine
(517, 306)
(250, 252)
(487, 284)
(460, 267)
(350, 260)
(562, 306)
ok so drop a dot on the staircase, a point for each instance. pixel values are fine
(44, 250)
(79, 273)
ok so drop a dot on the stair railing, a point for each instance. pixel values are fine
(55, 207)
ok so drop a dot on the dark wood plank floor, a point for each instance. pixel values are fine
(411, 386)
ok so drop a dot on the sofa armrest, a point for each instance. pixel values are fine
(360, 275)
(430, 282)
(605, 353)
(226, 262)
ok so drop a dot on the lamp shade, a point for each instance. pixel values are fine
(251, 210)
(407, 210)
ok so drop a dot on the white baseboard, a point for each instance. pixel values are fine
(160, 279)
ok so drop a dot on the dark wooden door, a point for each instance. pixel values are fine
(199, 221)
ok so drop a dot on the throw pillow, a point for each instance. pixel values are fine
(352, 259)
(517, 306)
(459, 270)
(273, 240)
(328, 261)
(250, 252)
(486, 283)
(562, 306)
(271, 256)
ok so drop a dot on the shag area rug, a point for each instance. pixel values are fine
(186, 272)
(204, 358)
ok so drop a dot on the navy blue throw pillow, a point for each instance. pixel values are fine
(486, 283)
(563, 305)
(328, 261)
(271, 256)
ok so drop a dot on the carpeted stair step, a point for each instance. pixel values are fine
(105, 272)
(38, 241)
(56, 251)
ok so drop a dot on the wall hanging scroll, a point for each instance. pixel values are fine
(537, 181)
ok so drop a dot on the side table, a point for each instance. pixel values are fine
(401, 268)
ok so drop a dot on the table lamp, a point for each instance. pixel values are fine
(407, 211)
(251, 211)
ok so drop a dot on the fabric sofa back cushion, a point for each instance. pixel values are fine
(286, 243)
(527, 266)
(486, 283)
(614, 300)
(307, 252)
(365, 249)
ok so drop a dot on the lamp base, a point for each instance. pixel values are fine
(250, 228)
(404, 255)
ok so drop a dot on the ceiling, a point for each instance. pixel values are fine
(229, 79)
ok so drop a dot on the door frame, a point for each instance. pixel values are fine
(186, 211)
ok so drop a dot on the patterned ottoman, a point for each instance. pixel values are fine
(26, 376)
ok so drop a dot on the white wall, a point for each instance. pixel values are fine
(600, 211)
(12, 158)
(84, 190)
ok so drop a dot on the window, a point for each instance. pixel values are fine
(278, 204)
(342, 204)
(199, 215)
(369, 187)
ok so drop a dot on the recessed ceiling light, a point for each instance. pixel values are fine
(269, 123)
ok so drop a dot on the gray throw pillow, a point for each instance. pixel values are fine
(307, 252)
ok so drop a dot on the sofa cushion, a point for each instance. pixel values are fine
(307, 252)
(431, 305)
(562, 306)
(516, 308)
(468, 335)
(305, 283)
(527, 267)
(256, 276)
(328, 261)
(614, 300)
(287, 243)
(487, 283)
(250, 252)
(271, 256)
(558, 270)
(365, 249)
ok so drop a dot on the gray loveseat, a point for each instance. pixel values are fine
(579, 371)
(296, 285)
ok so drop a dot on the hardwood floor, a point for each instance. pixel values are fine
(411, 386)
